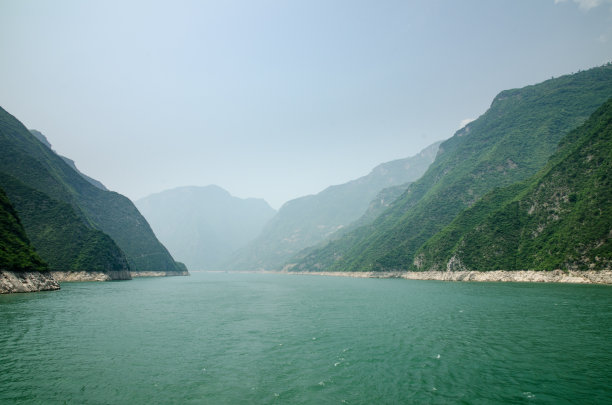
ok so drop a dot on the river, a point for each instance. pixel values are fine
(231, 338)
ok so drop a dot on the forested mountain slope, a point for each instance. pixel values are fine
(308, 220)
(509, 143)
(561, 218)
(62, 237)
(16, 252)
(35, 166)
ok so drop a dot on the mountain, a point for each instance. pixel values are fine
(39, 135)
(306, 221)
(561, 218)
(509, 143)
(377, 206)
(16, 252)
(30, 166)
(202, 226)
(62, 237)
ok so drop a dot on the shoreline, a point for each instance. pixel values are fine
(80, 276)
(513, 276)
(26, 281)
(102, 276)
(137, 274)
(34, 281)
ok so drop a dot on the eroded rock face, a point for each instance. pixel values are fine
(454, 264)
(159, 273)
(70, 276)
(26, 281)
(519, 276)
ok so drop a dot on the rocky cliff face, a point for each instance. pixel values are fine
(70, 276)
(26, 281)
(497, 276)
(159, 273)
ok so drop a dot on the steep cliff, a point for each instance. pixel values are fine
(33, 164)
(309, 220)
(507, 144)
(561, 218)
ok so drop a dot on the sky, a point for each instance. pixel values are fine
(274, 99)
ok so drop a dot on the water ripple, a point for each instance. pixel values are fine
(256, 338)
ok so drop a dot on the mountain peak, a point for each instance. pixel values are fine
(202, 225)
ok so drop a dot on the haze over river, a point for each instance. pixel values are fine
(230, 338)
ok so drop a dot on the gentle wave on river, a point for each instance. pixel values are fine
(266, 338)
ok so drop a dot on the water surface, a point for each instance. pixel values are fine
(261, 338)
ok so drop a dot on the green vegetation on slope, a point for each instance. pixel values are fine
(16, 252)
(65, 240)
(559, 218)
(308, 220)
(378, 205)
(38, 135)
(31, 162)
(507, 144)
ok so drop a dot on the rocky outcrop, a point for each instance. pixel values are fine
(159, 273)
(519, 276)
(26, 281)
(32, 281)
(71, 276)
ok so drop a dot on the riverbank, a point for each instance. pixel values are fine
(78, 276)
(519, 276)
(159, 273)
(33, 281)
(26, 281)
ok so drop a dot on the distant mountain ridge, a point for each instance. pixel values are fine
(306, 221)
(509, 143)
(55, 200)
(202, 226)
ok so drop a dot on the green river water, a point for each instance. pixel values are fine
(229, 338)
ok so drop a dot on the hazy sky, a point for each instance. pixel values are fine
(274, 99)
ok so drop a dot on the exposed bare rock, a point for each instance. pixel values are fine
(26, 281)
(159, 273)
(520, 276)
(72, 276)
